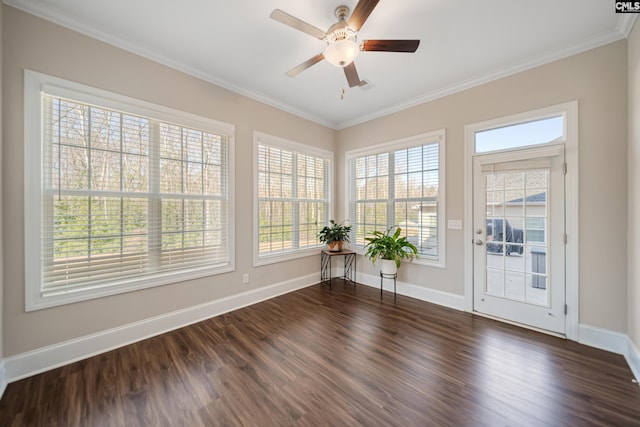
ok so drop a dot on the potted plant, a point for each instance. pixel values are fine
(390, 248)
(334, 235)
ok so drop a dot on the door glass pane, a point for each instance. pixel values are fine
(537, 180)
(514, 181)
(517, 237)
(537, 274)
(514, 285)
(495, 282)
(514, 202)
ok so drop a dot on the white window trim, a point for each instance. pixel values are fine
(412, 141)
(569, 111)
(36, 83)
(297, 147)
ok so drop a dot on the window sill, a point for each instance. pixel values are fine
(61, 297)
(285, 256)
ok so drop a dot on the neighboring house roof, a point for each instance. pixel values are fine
(534, 198)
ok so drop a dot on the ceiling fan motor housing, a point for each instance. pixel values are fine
(340, 30)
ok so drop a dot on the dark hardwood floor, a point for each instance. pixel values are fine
(339, 357)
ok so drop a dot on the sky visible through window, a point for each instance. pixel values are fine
(520, 135)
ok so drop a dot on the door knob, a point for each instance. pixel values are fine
(479, 231)
(478, 242)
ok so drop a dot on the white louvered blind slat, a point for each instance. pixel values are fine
(126, 196)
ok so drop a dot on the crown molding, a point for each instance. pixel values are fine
(546, 58)
(46, 12)
(625, 24)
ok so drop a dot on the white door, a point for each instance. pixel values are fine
(519, 237)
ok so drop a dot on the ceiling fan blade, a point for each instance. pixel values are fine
(352, 75)
(306, 64)
(390, 45)
(360, 13)
(298, 24)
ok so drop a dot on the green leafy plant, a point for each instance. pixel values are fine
(384, 245)
(334, 233)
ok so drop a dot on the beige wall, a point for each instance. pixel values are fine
(598, 80)
(1, 149)
(634, 186)
(44, 47)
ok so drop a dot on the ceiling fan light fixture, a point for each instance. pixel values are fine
(342, 52)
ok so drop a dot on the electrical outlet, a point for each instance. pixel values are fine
(245, 278)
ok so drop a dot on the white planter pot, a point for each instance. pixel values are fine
(388, 266)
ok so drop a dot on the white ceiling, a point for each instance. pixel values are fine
(234, 44)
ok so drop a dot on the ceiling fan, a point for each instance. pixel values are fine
(342, 47)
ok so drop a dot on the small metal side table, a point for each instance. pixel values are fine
(349, 265)
(388, 276)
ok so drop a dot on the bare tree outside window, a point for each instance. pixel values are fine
(293, 198)
(117, 200)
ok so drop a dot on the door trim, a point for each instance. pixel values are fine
(570, 112)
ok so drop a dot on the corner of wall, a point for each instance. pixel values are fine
(3, 379)
(614, 342)
(633, 201)
(3, 382)
(632, 355)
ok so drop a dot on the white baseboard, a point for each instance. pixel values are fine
(46, 358)
(26, 364)
(614, 342)
(434, 296)
(633, 359)
(3, 381)
(592, 336)
(603, 339)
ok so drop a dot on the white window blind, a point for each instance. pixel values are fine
(292, 196)
(400, 187)
(127, 201)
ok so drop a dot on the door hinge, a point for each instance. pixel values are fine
(564, 168)
(565, 238)
(565, 309)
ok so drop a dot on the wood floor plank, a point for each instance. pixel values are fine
(342, 356)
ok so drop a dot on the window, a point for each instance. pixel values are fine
(292, 188)
(400, 184)
(535, 228)
(523, 134)
(125, 194)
